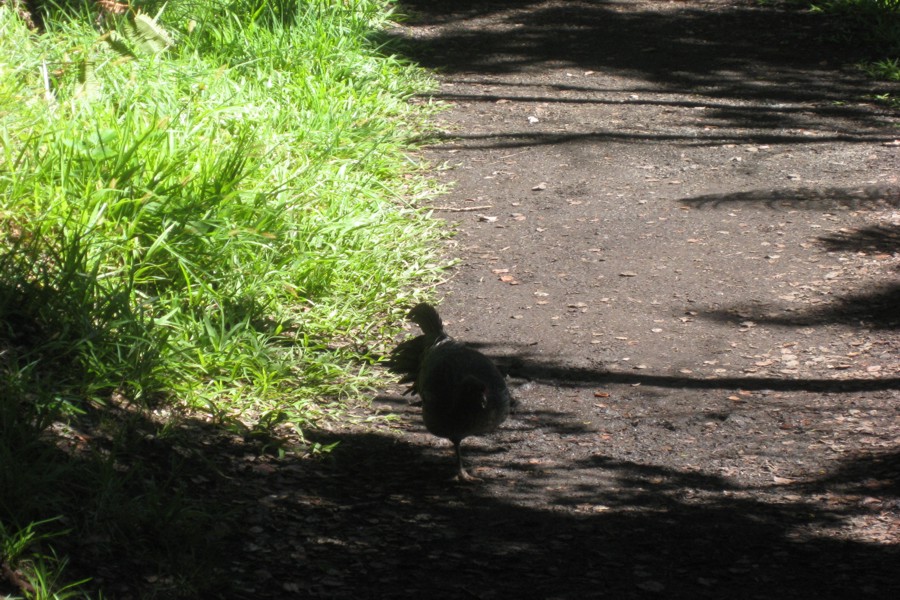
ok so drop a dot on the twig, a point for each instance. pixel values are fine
(463, 209)
(511, 155)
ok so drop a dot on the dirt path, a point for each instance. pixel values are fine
(679, 233)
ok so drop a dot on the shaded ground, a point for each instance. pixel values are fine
(679, 233)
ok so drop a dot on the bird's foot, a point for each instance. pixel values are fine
(464, 477)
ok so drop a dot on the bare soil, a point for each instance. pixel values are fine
(678, 233)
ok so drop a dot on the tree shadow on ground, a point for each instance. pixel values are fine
(394, 526)
(877, 307)
(197, 511)
(144, 492)
(752, 64)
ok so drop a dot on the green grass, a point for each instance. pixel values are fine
(209, 218)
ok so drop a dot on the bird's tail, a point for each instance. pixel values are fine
(406, 359)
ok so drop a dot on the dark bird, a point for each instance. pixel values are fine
(462, 391)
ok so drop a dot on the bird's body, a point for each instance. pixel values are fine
(462, 392)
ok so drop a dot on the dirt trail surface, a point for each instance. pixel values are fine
(679, 235)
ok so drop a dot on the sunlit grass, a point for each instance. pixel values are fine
(199, 209)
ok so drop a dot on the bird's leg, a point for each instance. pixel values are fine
(463, 475)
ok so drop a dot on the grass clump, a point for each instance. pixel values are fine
(204, 205)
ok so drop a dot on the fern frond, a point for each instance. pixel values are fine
(148, 35)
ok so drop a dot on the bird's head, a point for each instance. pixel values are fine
(425, 316)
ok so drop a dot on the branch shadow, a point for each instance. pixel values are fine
(523, 366)
(523, 139)
(874, 475)
(747, 66)
(804, 198)
(878, 307)
(872, 239)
